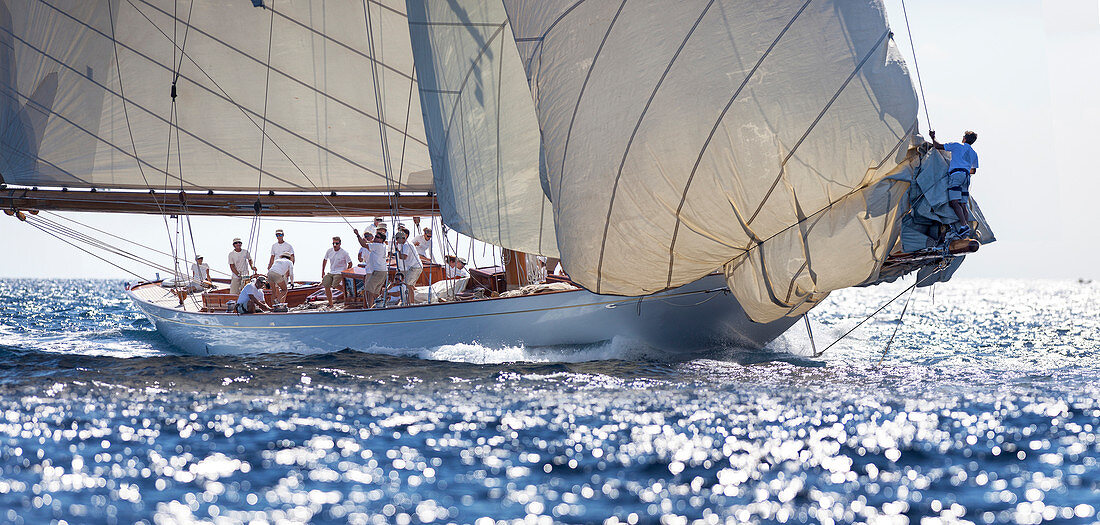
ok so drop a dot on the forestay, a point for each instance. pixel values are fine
(86, 95)
(481, 126)
(684, 137)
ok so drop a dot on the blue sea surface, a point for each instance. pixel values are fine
(985, 409)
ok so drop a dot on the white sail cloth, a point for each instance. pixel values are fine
(481, 126)
(80, 80)
(684, 137)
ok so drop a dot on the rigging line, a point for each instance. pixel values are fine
(868, 318)
(61, 232)
(348, 105)
(93, 242)
(254, 233)
(387, 163)
(66, 241)
(913, 48)
(810, 333)
(896, 327)
(246, 112)
(177, 66)
(129, 129)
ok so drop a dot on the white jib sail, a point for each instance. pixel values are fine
(480, 121)
(685, 137)
(86, 95)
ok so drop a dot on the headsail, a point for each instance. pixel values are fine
(93, 109)
(481, 125)
(685, 137)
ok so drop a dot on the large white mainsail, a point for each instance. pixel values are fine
(86, 95)
(481, 125)
(683, 137)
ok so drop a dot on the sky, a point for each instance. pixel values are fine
(1023, 74)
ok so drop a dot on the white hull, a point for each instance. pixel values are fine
(697, 317)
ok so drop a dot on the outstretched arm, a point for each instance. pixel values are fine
(362, 240)
(935, 144)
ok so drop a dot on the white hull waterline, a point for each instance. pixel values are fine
(698, 317)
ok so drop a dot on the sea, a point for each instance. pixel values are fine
(981, 404)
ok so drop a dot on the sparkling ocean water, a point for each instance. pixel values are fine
(985, 410)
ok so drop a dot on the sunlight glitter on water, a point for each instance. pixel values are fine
(985, 410)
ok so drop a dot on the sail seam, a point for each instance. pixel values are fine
(549, 28)
(713, 130)
(466, 78)
(633, 134)
(291, 20)
(223, 95)
(813, 124)
(580, 96)
(500, 83)
(830, 205)
(152, 114)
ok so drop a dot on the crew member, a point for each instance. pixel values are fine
(964, 163)
(200, 272)
(394, 293)
(423, 245)
(337, 260)
(456, 267)
(408, 262)
(240, 261)
(372, 228)
(279, 275)
(279, 248)
(251, 297)
(373, 255)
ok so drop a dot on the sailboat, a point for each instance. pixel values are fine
(706, 171)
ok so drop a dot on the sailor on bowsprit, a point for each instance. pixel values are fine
(964, 163)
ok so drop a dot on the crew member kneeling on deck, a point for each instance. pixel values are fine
(251, 298)
(278, 275)
(394, 293)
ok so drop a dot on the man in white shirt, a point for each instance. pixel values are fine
(394, 293)
(251, 297)
(337, 260)
(240, 261)
(372, 228)
(964, 163)
(373, 255)
(279, 275)
(456, 267)
(200, 272)
(408, 263)
(280, 247)
(423, 245)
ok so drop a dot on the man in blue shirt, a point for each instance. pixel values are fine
(964, 163)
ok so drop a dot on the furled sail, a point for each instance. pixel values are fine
(480, 121)
(276, 98)
(685, 137)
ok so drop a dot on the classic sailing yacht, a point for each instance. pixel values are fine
(707, 171)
